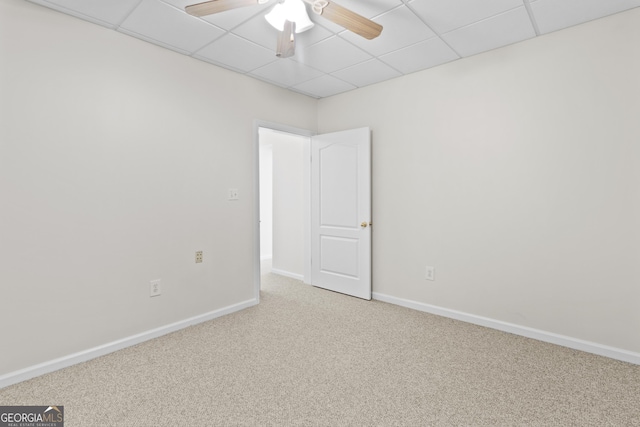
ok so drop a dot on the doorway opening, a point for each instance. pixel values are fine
(334, 213)
(282, 177)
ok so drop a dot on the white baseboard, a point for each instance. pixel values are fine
(562, 340)
(287, 274)
(83, 356)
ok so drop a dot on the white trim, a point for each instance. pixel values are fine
(101, 350)
(287, 274)
(549, 337)
(307, 211)
(265, 257)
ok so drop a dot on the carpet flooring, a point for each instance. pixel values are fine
(309, 357)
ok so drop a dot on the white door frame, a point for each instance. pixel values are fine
(257, 124)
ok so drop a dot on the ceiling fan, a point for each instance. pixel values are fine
(290, 17)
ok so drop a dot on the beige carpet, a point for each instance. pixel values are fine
(309, 357)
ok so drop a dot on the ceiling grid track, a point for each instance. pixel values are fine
(532, 17)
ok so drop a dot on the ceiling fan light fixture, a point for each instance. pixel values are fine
(289, 10)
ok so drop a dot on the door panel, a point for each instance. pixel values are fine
(339, 256)
(341, 212)
(338, 191)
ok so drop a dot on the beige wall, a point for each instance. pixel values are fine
(516, 173)
(115, 160)
(266, 197)
(288, 203)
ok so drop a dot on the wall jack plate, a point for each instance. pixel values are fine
(154, 288)
(430, 273)
(198, 257)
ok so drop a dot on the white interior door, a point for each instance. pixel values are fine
(341, 212)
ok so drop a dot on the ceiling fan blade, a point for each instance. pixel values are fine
(346, 18)
(286, 40)
(215, 6)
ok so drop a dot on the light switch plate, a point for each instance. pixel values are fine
(155, 288)
(431, 273)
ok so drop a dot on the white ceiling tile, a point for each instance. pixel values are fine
(446, 15)
(258, 30)
(330, 26)
(110, 12)
(331, 55)
(237, 53)
(232, 18)
(229, 18)
(401, 28)
(501, 30)
(367, 73)
(419, 56)
(286, 72)
(369, 8)
(166, 24)
(312, 36)
(324, 86)
(558, 14)
(271, 82)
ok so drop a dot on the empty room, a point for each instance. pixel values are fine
(463, 249)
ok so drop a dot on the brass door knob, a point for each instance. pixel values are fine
(364, 224)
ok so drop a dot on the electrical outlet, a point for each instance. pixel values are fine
(198, 257)
(431, 273)
(154, 288)
(233, 194)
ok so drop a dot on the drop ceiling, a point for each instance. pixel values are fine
(417, 34)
